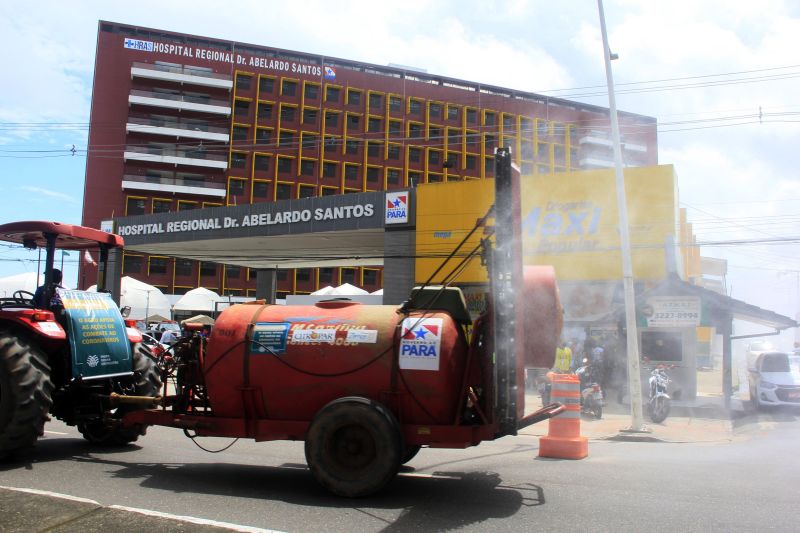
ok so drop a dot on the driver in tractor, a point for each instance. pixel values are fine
(55, 298)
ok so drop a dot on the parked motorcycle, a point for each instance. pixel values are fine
(591, 393)
(660, 402)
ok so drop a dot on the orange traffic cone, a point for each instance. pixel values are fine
(563, 440)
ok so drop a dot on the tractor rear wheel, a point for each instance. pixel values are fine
(354, 447)
(108, 431)
(25, 392)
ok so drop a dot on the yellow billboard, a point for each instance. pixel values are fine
(569, 220)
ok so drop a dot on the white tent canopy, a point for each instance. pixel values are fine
(327, 289)
(199, 299)
(144, 299)
(345, 289)
(27, 281)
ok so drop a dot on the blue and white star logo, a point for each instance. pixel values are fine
(420, 333)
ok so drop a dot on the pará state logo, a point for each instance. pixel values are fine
(396, 207)
(420, 343)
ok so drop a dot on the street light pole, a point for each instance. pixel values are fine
(634, 378)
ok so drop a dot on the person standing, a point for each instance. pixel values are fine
(168, 337)
(55, 298)
(563, 358)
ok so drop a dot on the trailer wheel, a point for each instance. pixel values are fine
(108, 431)
(354, 446)
(25, 393)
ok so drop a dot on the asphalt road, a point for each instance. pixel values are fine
(750, 483)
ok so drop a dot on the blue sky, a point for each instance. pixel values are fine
(728, 113)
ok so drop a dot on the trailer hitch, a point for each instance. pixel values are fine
(115, 400)
(548, 411)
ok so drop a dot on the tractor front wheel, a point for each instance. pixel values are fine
(109, 431)
(25, 392)
(354, 447)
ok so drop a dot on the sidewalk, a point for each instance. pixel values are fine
(697, 422)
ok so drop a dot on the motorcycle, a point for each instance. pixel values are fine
(660, 402)
(591, 393)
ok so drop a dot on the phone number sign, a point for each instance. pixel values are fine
(672, 312)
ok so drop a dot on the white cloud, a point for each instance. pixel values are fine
(49, 193)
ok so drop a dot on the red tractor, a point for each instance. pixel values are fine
(68, 353)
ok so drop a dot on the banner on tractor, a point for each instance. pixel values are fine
(97, 335)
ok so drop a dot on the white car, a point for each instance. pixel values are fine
(775, 379)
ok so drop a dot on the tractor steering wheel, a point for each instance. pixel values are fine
(23, 298)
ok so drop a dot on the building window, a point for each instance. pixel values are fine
(434, 132)
(158, 265)
(490, 119)
(373, 174)
(348, 275)
(310, 140)
(243, 82)
(329, 170)
(241, 107)
(311, 91)
(373, 149)
(287, 113)
(310, 116)
(395, 128)
(331, 142)
(435, 110)
(353, 97)
(472, 162)
(452, 160)
(353, 121)
(238, 160)
(351, 146)
(283, 191)
(288, 88)
(261, 162)
(307, 167)
(208, 269)
(326, 275)
(307, 191)
(434, 157)
(260, 189)
(240, 133)
(265, 84)
(370, 276)
(395, 104)
(284, 165)
(303, 274)
(454, 136)
(414, 107)
(282, 275)
(263, 136)
(392, 176)
(286, 139)
(162, 206)
(264, 110)
(489, 142)
(508, 122)
(488, 166)
(235, 187)
(452, 112)
(351, 172)
(414, 178)
(132, 264)
(134, 206)
(472, 116)
(414, 130)
(435, 178)
(374, 125)
(375, 102)
(332, 94)
(331, 119)
(329, 191)
(415, 155)
(186, 205)
(183, 267)
(393, 152)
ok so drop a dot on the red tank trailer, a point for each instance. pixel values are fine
(366, 386)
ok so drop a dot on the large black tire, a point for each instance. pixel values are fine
(25, 392)
(409, 452)
(108, 432)
(354, 447)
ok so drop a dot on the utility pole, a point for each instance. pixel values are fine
(634, 377)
